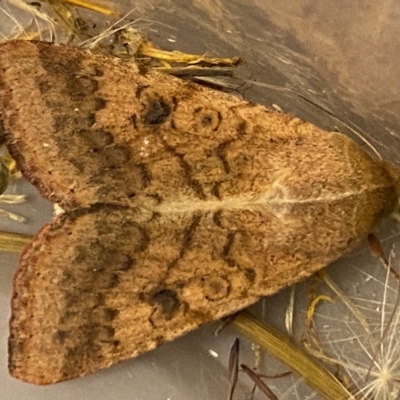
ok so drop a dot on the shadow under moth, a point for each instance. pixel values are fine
(181, 205)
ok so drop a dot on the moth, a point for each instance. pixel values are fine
(181, 205)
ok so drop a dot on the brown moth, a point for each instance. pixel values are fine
(182, 205)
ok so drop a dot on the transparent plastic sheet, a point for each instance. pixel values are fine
(342, 57)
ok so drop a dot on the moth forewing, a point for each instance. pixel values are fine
(182, 205)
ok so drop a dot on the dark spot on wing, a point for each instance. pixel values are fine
(250, 274)
(99, 103)
(110, 313)
(167, 300)
(60, 336)
(81, 86)
(156, 111)
(241, 128)
(95, 139)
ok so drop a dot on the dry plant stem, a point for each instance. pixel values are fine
(311, 308)
(12, 198)
(34, 11)
(290, 311)
(30, 35)
(282, 348)
(190, 71)
(91, 5)
(255, 377)
(13, 242)
(64, 12)
(147, 49)
(346, 301)
(312, 335)
(31, 31)
(276, 376)
(8, 214)
(233, 367)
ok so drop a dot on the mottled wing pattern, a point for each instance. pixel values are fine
(182, 204)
